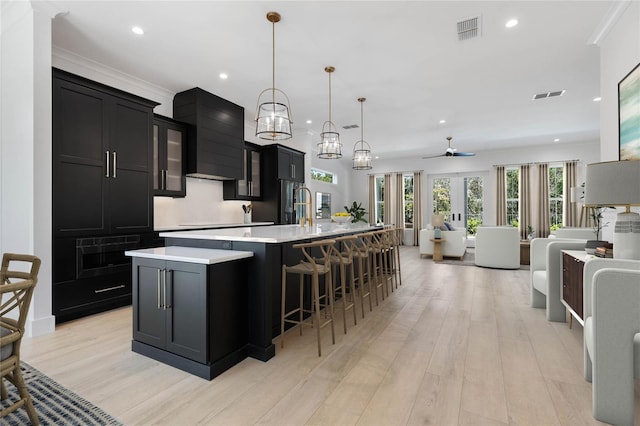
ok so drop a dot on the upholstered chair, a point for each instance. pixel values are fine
(611, 312)
(546, 274)
(498, 247)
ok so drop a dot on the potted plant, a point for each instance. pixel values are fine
(357, 212)
(596, 217)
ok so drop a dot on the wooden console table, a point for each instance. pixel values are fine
(437, 248)
(572, 267)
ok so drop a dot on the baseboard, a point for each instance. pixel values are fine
(40, 326)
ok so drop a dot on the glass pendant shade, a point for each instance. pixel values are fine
(273, 119)
(361, 151)
(330, 146)
(362, 156)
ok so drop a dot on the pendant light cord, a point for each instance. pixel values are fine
(330, 99)
(362, 121)
(273, 62)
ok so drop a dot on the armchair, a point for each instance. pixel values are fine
(576, 233)
(16, 290)
(546, 274)
(498, 247)
(611, 340)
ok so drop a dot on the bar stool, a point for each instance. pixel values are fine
(341, 260)
(383, 251)
(392, 243)
(310, 267)
(397, 238)
(360, 251)
(374, 250)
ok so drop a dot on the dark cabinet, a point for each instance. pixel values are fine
(215, 146)
(290, 164)
(247, 188)
(282, 174)
(572, 269)
(170, 306)
(169, 153)
(101, 159)
(192, 316)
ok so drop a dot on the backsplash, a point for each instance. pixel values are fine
(202, 205)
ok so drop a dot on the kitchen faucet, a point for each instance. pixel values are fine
(309, 205)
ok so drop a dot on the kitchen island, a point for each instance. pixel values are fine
(271, 247)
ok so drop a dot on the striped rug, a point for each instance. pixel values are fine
(54, 404)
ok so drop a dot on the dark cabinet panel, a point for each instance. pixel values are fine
(290, 164)
(169, 154)
(101, 159)
(572, 269)
(170, 306)
(214, 147)
(249, 187)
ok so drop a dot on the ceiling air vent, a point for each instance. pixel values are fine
(350, 126)
(548, 94)
(468, 28)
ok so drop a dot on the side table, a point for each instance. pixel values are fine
(437, 248)
(525, 247)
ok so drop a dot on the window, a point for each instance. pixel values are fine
(474, 189)
(513, 208)
(379, 213)
(408, 201)
(556, 203)
(323, 176)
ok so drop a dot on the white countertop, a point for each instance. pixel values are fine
(190, 254)
(580, 254)
(187, 226)
(271, 234)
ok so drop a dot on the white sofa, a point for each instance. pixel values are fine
(455, 244)
(546, 274)
(574, 233)
(611, 310)
(498, 247)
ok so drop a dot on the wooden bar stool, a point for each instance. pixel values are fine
(360, 252)
(311, 267)
(371, 239)
(397, 238)
(383, 252)
(341, 259)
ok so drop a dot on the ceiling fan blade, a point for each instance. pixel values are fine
(434, 156)
(464, 154)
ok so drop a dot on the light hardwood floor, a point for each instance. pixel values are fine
(454, 345)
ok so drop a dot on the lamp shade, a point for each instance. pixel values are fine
(437, 220)
(613, 183)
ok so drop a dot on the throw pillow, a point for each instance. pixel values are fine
(449, 226)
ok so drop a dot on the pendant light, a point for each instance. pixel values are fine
(329, 146)
(273, 121)
(361, 150)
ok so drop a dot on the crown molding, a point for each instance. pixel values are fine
(74, 63)
(608, 21)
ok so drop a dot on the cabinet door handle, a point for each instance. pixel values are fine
(102, 290)
(107, 168)
(163, 184)
(167, 289)
(250, 188)
(115, 159)
(159, 289)
(292, 170)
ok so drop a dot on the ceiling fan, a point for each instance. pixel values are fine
(452, 152)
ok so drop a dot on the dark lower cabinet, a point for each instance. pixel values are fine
(572, 269)
(191, 316)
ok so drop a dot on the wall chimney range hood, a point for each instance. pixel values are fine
(216, 136)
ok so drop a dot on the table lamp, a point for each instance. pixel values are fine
(437, 220)
(617, 183)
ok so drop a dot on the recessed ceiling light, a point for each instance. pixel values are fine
(511, 23)
(556, 140)
(377, 157)
(309, 121)
(597, 99)
(443, 121)
(137, 30)
(223, 76)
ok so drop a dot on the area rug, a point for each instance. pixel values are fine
(54, 404)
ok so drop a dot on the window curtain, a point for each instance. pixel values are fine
(417, 206)
(501, 196)
(525, 201)
(399, 204)
(544, 219)
(570, 212)
(372, 199)
(386, 217)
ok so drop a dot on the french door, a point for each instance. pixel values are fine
(460, 198)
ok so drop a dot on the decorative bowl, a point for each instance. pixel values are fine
(341, 219)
